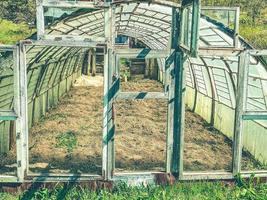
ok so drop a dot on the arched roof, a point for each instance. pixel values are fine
(151, 24)
(214, 77)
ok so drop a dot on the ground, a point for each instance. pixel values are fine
(69, 138)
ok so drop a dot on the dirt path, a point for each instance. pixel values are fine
(69, 138)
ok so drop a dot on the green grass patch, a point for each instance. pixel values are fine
(251, 190)
(67, 140)
(255, 35)
(10, 33)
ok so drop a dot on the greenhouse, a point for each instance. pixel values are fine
(137, 91)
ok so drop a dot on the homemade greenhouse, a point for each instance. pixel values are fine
(202, 64)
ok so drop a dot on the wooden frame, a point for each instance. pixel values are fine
(236, 10)
(24, 112)
(41, 4)
(17, 114)
(117, 94)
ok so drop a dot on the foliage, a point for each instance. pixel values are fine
(245, 190)
(250, 189)
(10, 33)
(18, 11)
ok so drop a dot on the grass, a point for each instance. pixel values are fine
(249, 190)
(10, 33)
(255, 35)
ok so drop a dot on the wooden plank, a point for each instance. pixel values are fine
(67, 41)
(179, 114)
(255, 115)
(170, 118)
(69, 4)
(8, 115)
(219, 8)
(192, 176)
(142, 53)
(256, 52)
(170, 88)
(23, 135)
(108, 157)
(216, 51)
(141, 95)
(239, 111)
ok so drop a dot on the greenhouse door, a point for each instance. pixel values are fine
(185, 36)
(12, 116)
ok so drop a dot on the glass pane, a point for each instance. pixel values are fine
(208, 133)
(254, 155)
(190, 26)
(6, 80)
(257, 86)
(73, 21)
(227, 17)
(207, 148)
(187, 21)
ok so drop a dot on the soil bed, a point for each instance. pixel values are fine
(69, 138)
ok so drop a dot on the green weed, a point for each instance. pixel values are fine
(67, 140)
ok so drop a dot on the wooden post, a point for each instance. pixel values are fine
(22, 122)
(179, 114)
(170, 82)
(176, 115)
(170, 88)
(176, 109)
(110, 89)
(241, 96)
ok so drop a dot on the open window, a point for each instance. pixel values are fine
(82, 27)
(220, 18)
(189, 27)
(11, 122)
